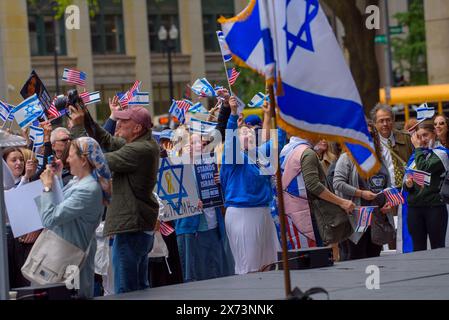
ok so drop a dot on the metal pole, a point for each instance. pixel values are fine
(389, 62)
(4, 274)
(287, 281)
(170, 80)
(56, 55)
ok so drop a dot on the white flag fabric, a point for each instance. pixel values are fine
(28, 111)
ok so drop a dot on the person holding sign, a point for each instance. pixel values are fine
(248, 195)
(19, 248)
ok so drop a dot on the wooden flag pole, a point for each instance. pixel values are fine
(282, 217)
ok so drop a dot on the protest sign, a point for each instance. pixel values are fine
(177, 190)
(210, 193)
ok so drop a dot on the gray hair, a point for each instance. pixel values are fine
(56, 133)
(383, 107)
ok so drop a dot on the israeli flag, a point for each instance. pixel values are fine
(178, 112)
(320, 96)
(197, 108)
(94, 97)
(140, 99)
(424, 112)
(258, 100)
(227, 55)
(4, 111)
(249, 38)
(240, 105)
(202, 127)
(37, 136)
(28, 111)
(203, 88)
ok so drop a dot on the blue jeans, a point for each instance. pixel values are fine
(187, 252)
(130, 261)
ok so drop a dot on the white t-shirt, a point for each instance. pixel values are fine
(211, 218)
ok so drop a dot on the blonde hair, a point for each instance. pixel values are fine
(28, 155)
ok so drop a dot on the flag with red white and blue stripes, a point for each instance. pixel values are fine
(394, 197)
(74, 77)
(233, 74)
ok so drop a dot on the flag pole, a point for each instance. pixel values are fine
(282, 217)
(226, 69)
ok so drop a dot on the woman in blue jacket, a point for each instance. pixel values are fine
(77, 217)
(246, 182)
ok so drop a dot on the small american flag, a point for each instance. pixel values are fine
(166, 229)
(421, 178)
(364, 216)
(394, 197)
(52, 112)
(74, 77)
(233, 74)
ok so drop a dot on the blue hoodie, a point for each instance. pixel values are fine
(243, 185)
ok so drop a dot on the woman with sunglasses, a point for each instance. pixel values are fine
(440, 124)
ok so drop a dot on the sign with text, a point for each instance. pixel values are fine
(209, 192)
(177, 190)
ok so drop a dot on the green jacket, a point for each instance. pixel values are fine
(134, 168)
(427, 196)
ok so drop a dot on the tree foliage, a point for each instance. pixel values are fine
(409, 52)
(359, 42)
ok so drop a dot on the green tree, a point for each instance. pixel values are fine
(409, 52)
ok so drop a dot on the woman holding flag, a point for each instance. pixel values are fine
(365, 193)
(248, 194)
(427, 216)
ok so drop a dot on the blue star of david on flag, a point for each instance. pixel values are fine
(304, 37)
(173, 199)
(28, 111)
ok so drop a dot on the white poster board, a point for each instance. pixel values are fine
(176, 187)
(22, 206)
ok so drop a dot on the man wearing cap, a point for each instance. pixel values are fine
(133, 157)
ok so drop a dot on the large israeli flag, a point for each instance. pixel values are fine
(320, 96)
(249, 39)
(28, 111)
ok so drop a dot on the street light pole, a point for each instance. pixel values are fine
(170, 80)
(56, 55)
(167, 39)
(389, 66)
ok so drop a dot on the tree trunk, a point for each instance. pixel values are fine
(359, 41)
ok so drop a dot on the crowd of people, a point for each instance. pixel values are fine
(109, 173)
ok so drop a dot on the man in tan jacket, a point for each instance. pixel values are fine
(396, 150)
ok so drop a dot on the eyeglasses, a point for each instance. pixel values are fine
(64, 140)
(439, 123)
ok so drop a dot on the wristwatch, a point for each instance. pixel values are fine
(47, 189)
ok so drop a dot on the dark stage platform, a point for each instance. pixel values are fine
(420, 275)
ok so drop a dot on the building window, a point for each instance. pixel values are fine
(42, 28)
(212, 10)
(162, 13)
(161, 96)
(106, 27)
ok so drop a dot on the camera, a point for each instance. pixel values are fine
(71, 99)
